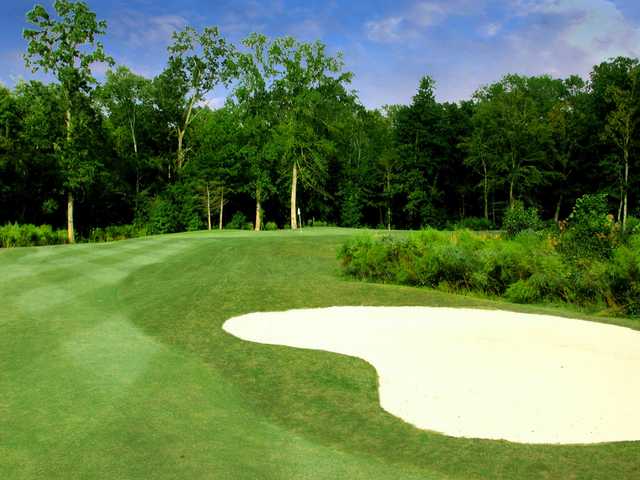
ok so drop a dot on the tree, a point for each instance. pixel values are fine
(514, 112)
(254, 94)
(125, 96)
(216, 163)
(621, 128)
(198, 62)
(67, 47)
(309, 84)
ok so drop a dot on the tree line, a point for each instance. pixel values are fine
(292, 142)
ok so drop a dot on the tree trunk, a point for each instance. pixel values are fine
(258, 211)
(626, 190)
(71, 237)
(180, 156)
(208, 208)
(221, 207)
(388, 200)
(556, 215)
(486, 191)
(511, 199)
(294, 186)
(71, 234)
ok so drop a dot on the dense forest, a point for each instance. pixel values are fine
(293, 145)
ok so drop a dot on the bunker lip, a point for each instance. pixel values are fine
(486, 374)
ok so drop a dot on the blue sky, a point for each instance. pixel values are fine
(389, 45)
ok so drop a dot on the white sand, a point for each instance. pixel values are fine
(480, 374)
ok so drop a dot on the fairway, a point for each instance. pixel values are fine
(114, 364)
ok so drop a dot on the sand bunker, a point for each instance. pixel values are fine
(480, 374)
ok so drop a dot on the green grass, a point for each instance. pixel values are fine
(113, 364)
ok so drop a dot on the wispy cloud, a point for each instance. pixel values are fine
(576, 33)
(141, 30)
(415, 19)
(385, 30)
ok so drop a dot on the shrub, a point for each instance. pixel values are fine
(519, 219)
(163, 216)
(271, 226)
(239, 222)
(116, 232)
(589, 229)
(473, 223)
(15, 235)
(528, 268)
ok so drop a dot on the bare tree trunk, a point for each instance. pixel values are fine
(486, 191)
(71, 237)
(556, 215)
(626, 190)
(511, 199)
(258, 224)
(619, 217)
(208, 208)
(388, 200)
(294, 186)
(221, 207)
(180, 159)
(71, 234)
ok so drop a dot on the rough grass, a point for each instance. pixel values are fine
(113, 365)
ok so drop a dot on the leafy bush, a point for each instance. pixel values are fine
(271, 226)
(473, 223)
(15, 235)
(163, 216)
(528, 268)
(239, 222)
(519, 219)
(589, 229)
(116, 232)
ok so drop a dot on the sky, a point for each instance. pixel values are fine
(388, 45)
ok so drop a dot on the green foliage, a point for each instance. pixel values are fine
(15, 235)
(239, 221)
(519, 219)
(163, 216)
(113, 233)
(528, 268)
(472, 223)
(271, 226)
(589, 229)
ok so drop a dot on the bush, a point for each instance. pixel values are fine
(239, 222)
(589, 229)
(528, 268)
(473, 223)
(519, 219)
(271, 226)
(15, 235)
(116, 232)
(163, 216)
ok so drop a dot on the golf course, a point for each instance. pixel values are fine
(114, 364)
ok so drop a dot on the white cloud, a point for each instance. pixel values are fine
(575, 34)
(413, 21)
(491, 29)
(385, 30)
(142, 31)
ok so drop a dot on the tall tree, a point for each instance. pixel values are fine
(67, 47)
(254, 94)
(622, 128)
(309, 84)
(125, 96)
(198, 62)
